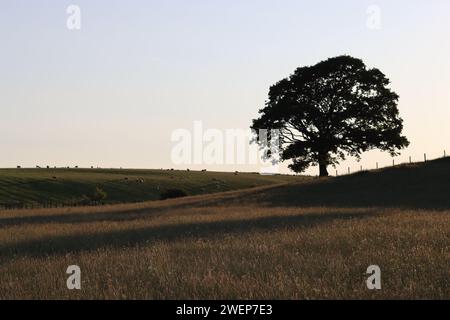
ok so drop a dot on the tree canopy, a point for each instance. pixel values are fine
(331, 110)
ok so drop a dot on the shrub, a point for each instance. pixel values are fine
(99, 194)
(172, 193)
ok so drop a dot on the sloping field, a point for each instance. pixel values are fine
(72, 186)
(306, 240)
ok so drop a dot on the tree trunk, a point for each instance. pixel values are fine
(323, 170)
(323, 163)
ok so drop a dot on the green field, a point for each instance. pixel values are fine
(71, 186)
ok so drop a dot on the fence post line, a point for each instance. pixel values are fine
(393, 162)
(425, 157)
(377, 165)
(348, 170)
(409, 159)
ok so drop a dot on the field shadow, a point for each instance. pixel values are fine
(56, 245)
(82, 217)
(88, 215)
(416, 186)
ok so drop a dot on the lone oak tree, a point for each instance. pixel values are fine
(335, 108)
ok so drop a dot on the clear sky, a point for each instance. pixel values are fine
(112, 93)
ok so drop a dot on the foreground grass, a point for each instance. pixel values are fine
(216, 247)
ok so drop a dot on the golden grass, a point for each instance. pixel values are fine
(224, 246)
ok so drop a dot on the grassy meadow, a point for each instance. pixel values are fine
(70, 186)
(297, 239)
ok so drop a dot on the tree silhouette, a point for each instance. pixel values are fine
(335, 108)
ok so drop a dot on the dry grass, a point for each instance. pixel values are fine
(230, 245)
(306, 240)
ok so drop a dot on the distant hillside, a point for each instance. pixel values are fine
(417, 185)
(73, 186)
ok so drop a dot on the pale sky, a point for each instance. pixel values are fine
(112, 93)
